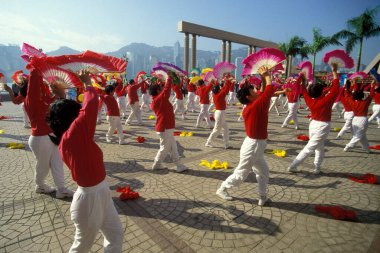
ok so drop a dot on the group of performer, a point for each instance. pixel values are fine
(67, 135)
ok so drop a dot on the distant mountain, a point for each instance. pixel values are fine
(63, 50)
(141, 57)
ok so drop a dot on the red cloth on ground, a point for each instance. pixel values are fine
(140, 139)
(336, 212)
(377, 147)
(303, 137)
(367, 178)
(127, 193)
(176, 133)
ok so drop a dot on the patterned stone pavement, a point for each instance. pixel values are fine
(181, 213)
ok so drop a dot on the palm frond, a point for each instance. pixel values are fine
(350, 44)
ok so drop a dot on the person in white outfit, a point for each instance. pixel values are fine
(133, 97)
(252, 158)
(92, 209)
(319, 128)
(376, 107)
(348, 113)
(293, 98)
(360, 106)
(203, 91)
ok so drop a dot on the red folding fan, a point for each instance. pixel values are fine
(339, 57)
(88, 60)
(307, 69)
(223, 68)
(269, 57)
(360, 74)
(30, 51)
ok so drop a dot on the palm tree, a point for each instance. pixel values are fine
(319, 43)
(295, 46)
(360, 28)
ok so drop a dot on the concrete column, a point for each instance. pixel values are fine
(186, 53)
(194, 51)
(229, 51)
(250, 48)
(254, 49)
(223, 51)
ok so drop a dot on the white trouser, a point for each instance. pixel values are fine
(100, 111)
(337, 108)
(274, 104)
(92, 210)
(348, 116)
(318, 132)
(145, 101)
(220, 127)
(190, 105)
(376, 114)
(48, 157)
(122, 103)
(168, 145)
(204, 114)
(251, 158)
(115, 124)
(25, 117)
(286, 102)
(231, 97)
(292, 115)
(179, 107)
(196, 100)
(359, 132)
(135, 112)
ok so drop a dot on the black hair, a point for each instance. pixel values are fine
(315, 90)
(24, 88)
(153, 89)
(348, 84)
(377, 90)
(131, 81)
(201, 82)
(109, 88)
(62, 113)
(243, 93)
(216, 89)
(358, 95)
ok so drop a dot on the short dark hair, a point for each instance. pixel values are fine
(243, 93)
(216, 89)
(60, 116)
(315, 90)
(109, 88)
(358, 95)
(24, 88)
(201, 82)
(131, 81)
(154, 89)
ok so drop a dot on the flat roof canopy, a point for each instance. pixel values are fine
(209, 32)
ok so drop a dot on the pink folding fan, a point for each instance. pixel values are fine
(307, 69)
(269, 57)
(340, 57)
(222, 68)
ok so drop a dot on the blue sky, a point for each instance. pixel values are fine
(107, 25)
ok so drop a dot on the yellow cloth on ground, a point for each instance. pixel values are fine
(216, 164)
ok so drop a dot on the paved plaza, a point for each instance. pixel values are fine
(179, 212)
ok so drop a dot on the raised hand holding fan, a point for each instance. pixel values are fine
(307, 69)
(340, 58)
(209, 76)
(222, 68)
(269, 57)
(172, 67)
(360, 75)
(30, 51)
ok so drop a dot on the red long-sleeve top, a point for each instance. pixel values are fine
(255, 115)
(191, 87)
(78, 149)
(144, 87)
(360, 107)
(178, 91)
(204, 93)
(321, 107)
(344, 101)
(220, 98)
(132, 93)
(294, 94)
(231, 87)
(163, 109)
(36, 105)
(111, 103)
(120, 90)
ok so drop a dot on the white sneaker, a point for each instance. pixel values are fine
(108, 140)
(181, 168)
(209, 145)
(44, 189)
(284, 126)
(122, 142)
(64, 193)
(346, 149)
(317, 170)
(222, 193)
(297, 128)
(337, 137)
(262, 200)
(157, 166)
(292, 169)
